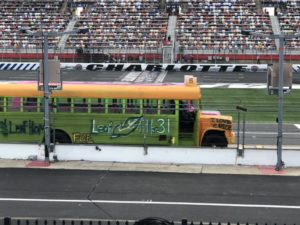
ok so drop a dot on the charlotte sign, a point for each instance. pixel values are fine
(168, 67)
(146, 67)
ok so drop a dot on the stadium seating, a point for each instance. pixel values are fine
(36, 15)
(218, 24)
(122, 23)
(289, 14)
(135, 25)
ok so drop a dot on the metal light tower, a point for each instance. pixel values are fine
(46, 88)
(280, 163)
(281, 38)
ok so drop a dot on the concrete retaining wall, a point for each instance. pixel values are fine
(136, 154)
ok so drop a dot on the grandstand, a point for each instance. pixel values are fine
(141, 30)
(37, 15)
(218, 25)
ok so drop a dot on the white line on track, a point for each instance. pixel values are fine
(161, 77)
(269, 133)
(150, 202)
(297, 125)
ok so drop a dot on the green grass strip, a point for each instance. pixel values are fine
(261, 106)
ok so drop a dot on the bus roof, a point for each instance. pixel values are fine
(104, 90)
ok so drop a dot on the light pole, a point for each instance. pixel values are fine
(45, 71)
(281, 37)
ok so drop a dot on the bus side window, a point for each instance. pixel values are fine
(30, 104)
(14, 104)
(1, 104)
(115, 105)
(98, 105)
(80, 105)
(150, 106)
(132, 106)
(167, 107)
(52, 104)
(64, 104)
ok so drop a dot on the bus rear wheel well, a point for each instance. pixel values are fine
(214, 138)
(60, 137)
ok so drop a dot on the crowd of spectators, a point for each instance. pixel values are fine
(288, 14)
(36, 15)
(122, 24)
(201, 24)
(217, 24)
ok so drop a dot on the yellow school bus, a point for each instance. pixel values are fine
(112, 113)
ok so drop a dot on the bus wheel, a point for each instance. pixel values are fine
(214, 140)
(62, 138)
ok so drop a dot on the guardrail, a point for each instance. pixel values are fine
(146, 221)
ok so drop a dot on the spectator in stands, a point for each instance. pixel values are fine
(167, 40)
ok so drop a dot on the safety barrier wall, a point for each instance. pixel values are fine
(139, 154)
(32, 66)
(204, 67)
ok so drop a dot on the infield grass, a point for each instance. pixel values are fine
(261, 106)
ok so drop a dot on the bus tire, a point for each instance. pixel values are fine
(62, 137)
(214, 139)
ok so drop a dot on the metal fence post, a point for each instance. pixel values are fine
(238, 132)
(7, 221)
(243, 110)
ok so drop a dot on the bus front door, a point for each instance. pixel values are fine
(187, 117)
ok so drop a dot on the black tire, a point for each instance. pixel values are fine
(214, 140)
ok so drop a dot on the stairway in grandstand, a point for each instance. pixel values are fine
(258, 6)
(172, 27)
(275, 28)
(64, 6)
(70, 26)
(168, 51)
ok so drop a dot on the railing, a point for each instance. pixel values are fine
(150, 55)
(235, 55)
(146, 221)
(105, 54)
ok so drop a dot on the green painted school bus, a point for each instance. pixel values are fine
(112, 113)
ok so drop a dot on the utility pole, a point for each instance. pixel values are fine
(46, 89)
(280, 163)
(46, 97)
(281, 38)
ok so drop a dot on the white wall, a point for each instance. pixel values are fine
(136, 154)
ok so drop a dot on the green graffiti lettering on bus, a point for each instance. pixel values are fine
(25, 127)
(132, 124)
